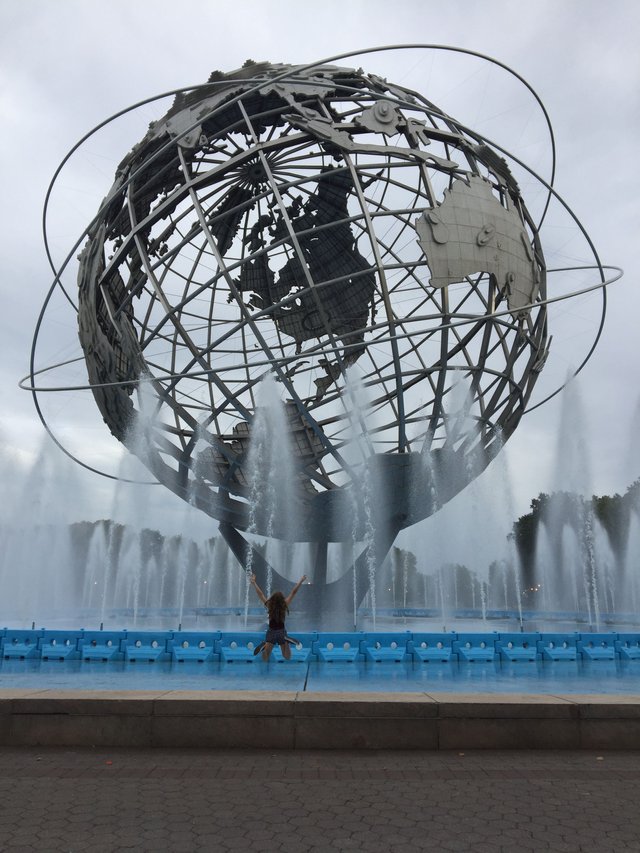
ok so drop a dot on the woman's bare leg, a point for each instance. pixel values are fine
(266, 651)
(285, 648)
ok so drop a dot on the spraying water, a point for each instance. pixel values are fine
(358, 452)
(272, 479)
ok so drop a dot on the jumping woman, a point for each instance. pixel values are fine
(277, 607)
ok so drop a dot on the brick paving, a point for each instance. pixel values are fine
(181, 801)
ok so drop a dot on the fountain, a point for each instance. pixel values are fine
(127, 575)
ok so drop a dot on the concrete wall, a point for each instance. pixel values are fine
(291, 720)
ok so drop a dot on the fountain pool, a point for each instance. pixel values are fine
(549, 678)
(372, 662)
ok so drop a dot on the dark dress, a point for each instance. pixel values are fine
(276, 633)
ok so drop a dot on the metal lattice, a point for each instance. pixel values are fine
(319, 225)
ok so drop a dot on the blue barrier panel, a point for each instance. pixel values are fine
(339, 646)
(148, 646)
(102, 645)
(386, 646)
(476, 647)
(628, 646)
(597, 646)
(22, 644)
(194, 645)
(518, 647)
(432, 647)
(559, 646)
(60, 645)
(238, 646)
(325, 646)
(302, 651)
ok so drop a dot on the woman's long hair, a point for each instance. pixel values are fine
(277, 607)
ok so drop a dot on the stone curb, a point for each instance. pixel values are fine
(296, 720)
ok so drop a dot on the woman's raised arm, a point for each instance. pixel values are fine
(260, 593)
(289, 598)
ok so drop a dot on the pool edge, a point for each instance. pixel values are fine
(298, 720)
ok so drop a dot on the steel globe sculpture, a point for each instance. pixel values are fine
(344, 237)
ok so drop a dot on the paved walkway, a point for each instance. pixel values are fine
(181, 801)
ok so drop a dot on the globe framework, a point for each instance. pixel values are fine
(343, 235)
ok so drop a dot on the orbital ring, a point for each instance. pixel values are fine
(198, 374)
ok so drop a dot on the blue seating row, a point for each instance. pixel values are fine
(236, 646)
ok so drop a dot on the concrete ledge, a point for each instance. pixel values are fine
(225, 703)
(508, 733)
(366, 720)
(365, 705)
(505, 706)
(290, 720)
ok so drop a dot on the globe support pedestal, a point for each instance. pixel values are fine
(326, 605)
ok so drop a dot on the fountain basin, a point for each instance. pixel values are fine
(397, 645)
(362, 701)
(375, 662)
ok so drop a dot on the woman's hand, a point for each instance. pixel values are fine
(303, 578)
(252, 579)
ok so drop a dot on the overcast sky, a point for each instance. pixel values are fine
(67, 65)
